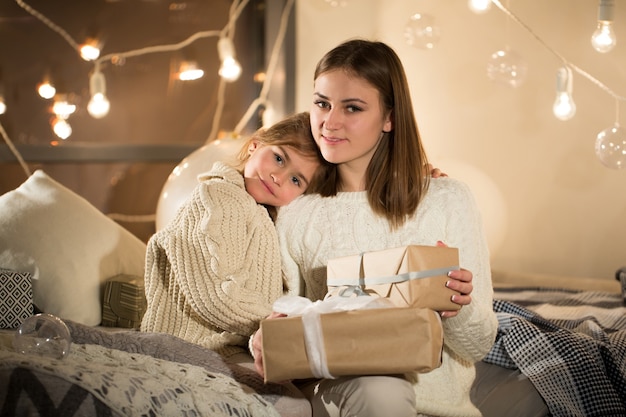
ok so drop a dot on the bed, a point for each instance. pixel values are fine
(560, 350)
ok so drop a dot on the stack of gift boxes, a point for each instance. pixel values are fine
(378, 318)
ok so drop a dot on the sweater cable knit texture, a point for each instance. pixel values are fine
(213, 273)
(313, 230)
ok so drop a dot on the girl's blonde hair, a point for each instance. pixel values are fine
(396, 179)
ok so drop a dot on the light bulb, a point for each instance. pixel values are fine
(3, 106)
(507, 67)
(479, 6)
(99, 104)
(337, 3)
(603, 39)
(89, 52)
(189, 71)
(61, 128)
(63, 108)
(46, 90)
(564, 107)
(421, 31)
(611, 147)
(230, 69)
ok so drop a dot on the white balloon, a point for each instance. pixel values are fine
(184, 177)
(488, 196)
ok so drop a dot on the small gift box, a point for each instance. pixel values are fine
(409, 276)
(16, 298)
(349, 336)
(124, 302)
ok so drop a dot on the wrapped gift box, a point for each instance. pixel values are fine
(373, 341)
(409, 276)
(123, 302)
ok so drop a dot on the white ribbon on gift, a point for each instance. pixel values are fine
(310, 311)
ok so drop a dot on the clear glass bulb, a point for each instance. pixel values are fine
(611, 147)
(89, 52)
(98, 106)
(189, 71)
(46, 90)
(230, 69)
(63, 109)
(507, 67)
(421, 31)
(564, 107)
(603, 39)
(61, 128)
(479, 6)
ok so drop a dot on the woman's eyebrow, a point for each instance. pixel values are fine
(345, 100)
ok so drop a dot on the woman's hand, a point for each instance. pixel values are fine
(435, 172)
(461, 282)
(256, 346)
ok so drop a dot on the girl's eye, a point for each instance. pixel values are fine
(296, 181)
(353, 109)
(279, 158)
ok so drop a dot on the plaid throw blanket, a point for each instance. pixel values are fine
(571, 345)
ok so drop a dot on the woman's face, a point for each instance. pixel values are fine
(275, 175)
(347, 119)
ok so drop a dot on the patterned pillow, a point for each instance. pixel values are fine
(16, 298)
(68, 246)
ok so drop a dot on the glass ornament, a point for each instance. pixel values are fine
(43, 335)
(611, 147)
(507, 67)
(421, 31)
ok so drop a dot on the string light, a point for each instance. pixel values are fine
(3, 106)
(603, 39)
(61, 127)
(479, 6)
(230, 70)
(190, 71)
(90, 50)
(564, 107)
(46, 90)
(613, 139)
(99, 104)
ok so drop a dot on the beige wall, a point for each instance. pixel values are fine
(549, 205)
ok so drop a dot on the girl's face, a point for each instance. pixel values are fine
(347, 119)
(275, 175)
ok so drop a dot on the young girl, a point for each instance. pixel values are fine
(379, 197)
(213, 273)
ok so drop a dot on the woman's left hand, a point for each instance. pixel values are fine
(460, 281)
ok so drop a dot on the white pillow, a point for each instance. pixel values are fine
(68, 245)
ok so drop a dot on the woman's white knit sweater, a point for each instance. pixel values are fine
(213, 273)
(313, 230)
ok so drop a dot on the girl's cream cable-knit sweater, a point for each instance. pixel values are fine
(214, 272)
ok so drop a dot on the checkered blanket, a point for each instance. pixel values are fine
(570, 344)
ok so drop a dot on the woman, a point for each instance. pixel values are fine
(380, 197)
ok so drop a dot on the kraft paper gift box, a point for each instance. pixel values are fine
(365, 341)
(411, 275)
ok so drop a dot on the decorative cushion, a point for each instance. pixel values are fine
(16, 298)
(68, 246)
